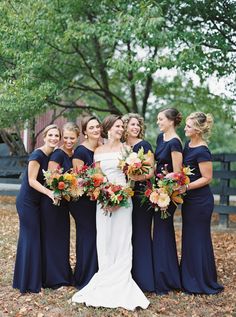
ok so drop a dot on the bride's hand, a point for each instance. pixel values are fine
(111, 209)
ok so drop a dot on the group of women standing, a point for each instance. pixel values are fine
(133, 251)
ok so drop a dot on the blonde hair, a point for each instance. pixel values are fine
(50, 127)
(71, 126)
(203, 123)
(126, 119)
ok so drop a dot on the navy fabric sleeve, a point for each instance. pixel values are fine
(158, 137)
(143, 144)
(147, 147)
(176, 146)
(36, 155)
(80, 154)
(58, 157)
(204, 156)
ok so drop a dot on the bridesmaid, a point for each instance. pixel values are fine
(56, 219)
(168, 153)
(28, 271)
(84, 210)
(142, 266)
(198, 271)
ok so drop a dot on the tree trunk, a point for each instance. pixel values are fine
(14, 142)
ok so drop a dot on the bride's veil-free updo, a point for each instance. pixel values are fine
(107, 123)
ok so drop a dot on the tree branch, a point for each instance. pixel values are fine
(132, 85)
(148, 88)
(73, 105)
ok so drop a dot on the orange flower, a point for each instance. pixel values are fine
(61, 185)
(176, 197)
(97, 179)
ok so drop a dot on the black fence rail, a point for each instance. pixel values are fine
(224, 185)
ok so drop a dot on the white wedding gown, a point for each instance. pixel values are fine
(112, 286)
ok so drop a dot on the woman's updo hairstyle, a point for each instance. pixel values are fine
(107, 123)
(202, 122)
(85, 120)
(71, 126)
(173, 115)
(126, 119)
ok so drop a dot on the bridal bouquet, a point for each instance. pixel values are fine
(63, 185)
(132, 163)
(159, 199)
(173, 181)
(112, 196)
(91, 179)
(167, 189)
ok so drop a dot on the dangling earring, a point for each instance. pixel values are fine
(86, 136)
(108, 135)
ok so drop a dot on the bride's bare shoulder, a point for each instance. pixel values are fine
(100, 149)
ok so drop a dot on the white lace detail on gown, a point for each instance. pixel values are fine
(112, 286)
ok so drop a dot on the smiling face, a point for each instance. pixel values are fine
(133, 128)
(163, 122)
(189, 129)
(69, 139)
(52, 138)
(93, 130)
(116, 131)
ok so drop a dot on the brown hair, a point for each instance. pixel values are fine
(126, 119)
(50, 127)
(107, 123)
(71, 126)
(85, 120)
(202, 122)
(173, 115)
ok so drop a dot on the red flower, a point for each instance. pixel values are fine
(120, 197)
(61, 185)
(148, 192)
(116, 188)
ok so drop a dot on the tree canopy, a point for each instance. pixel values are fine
(106, 56)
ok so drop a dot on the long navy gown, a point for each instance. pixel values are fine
(142, 266)
(166, 265)
(84, 213)
(28, 270)
(198, 270)
(55, 234)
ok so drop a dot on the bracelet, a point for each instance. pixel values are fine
(187, 186)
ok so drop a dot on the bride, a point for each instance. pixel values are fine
(112, 286)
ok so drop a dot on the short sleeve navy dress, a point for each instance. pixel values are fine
(142, 266)
(198, 270)
(166, 265)
(84, 213)
(55, 234)
(28, 270)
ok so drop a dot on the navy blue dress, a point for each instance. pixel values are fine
(142, 266)
(28, 270)
(84, 213)
(55, 234)
(166, 265)
(198, 270)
